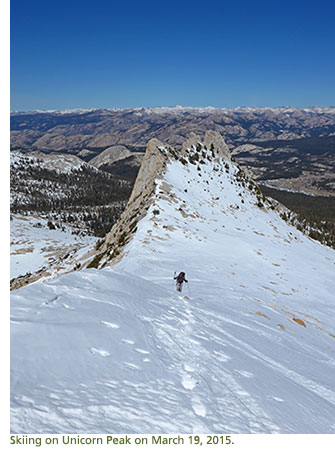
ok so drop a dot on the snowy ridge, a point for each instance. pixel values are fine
(64, 164)
(247, 348)
(61, 112)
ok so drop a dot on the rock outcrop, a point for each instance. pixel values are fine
(190, 143)
(154, 162)
(214, 140)
(111, 155)
(153, 165)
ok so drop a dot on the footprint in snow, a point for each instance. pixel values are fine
(127, 341)
(110, 325)
(25, 399)
(131, 365)
(183, 321)
(144, 352)
(275, 398)
(198, 407)
(189, 368)
(99, 351)
(188, 382)
(244, 373)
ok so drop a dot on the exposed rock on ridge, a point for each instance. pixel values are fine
(153, 165)
(214, 140)
(191, 141)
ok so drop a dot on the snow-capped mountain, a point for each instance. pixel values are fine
(182, 108)
(247, 347)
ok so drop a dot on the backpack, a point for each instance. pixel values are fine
(180, 277)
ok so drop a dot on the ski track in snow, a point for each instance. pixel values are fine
(120, 351)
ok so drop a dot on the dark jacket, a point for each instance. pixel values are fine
(181, 278)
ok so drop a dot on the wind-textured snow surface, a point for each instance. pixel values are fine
(248, 347)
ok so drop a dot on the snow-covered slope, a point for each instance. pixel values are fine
(64, 164)
(58, 202)
(248, 347)
(37, 250)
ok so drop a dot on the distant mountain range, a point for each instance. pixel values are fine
(97, 129)
(286, 148)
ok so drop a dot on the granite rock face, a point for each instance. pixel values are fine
(191, 141)
(213, 140)
(154, 162)
(112, 155)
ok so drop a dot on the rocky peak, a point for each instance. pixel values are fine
(190, 143)
(110, 155)
(154, 162)
(152, 167)
(213, 141)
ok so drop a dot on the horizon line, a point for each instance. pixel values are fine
(174, 107)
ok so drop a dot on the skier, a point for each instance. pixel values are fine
(179, 281)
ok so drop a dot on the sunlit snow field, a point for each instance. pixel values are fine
(247, 348)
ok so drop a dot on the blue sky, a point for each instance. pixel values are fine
(70, 54)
